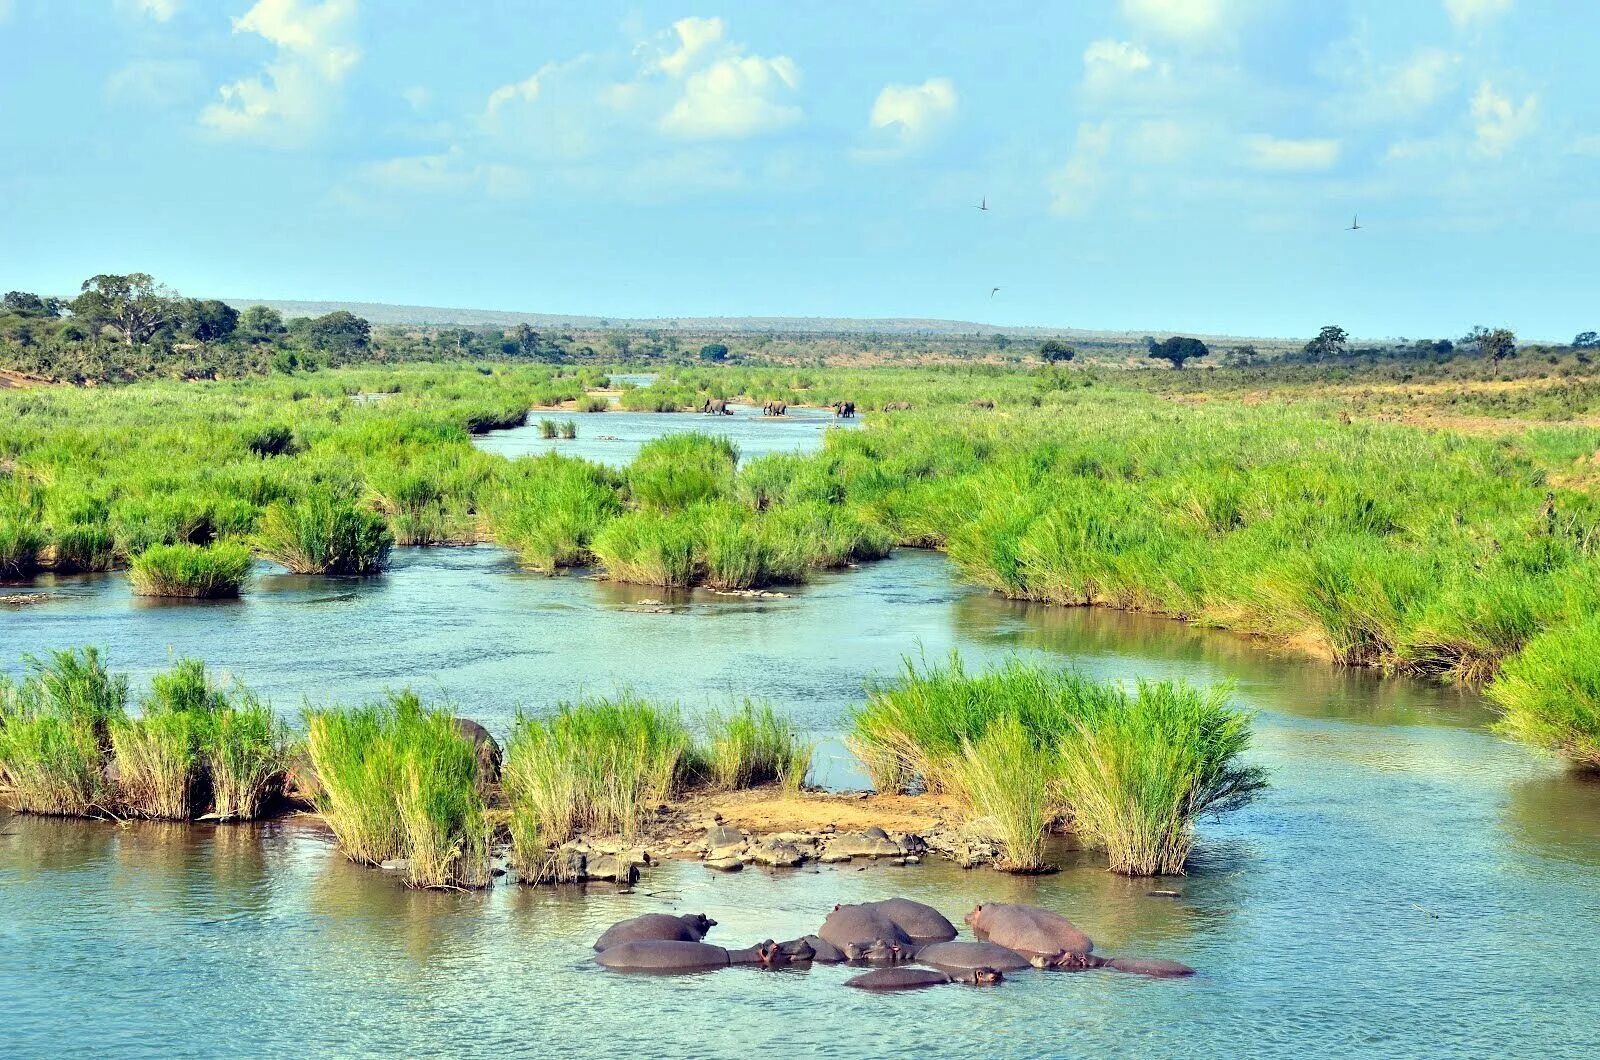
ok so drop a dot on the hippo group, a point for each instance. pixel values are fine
(890, 933)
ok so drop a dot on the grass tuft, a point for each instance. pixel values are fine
(200, 572)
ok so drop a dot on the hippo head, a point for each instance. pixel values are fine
(798, 950)
(972, 917)
(986, 977)
(1067, 961)
(701, 922)
(771, 954)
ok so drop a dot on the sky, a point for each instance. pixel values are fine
(1151, 165)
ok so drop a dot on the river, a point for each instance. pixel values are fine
(1410, 885)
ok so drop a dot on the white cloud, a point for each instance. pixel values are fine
(1466, 12)
(154, 82)
(1109, 64)
(1075, 186)
(160, 10)
(1181, 19)
(293, 96)
(448, 170)
(1421, 80)
(1279, 153)
(909, 114)
(1161, 141)
(1498, 123)
(527, 91)
(695, 37)
(733, 98)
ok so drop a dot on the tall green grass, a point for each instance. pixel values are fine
(399, 781)
(20, 542)
(679, 470)
(753, 745)
(549, 509)
(206, 572)
(325, 534)
(1006, 777)
(55, 736)
(1550, 693)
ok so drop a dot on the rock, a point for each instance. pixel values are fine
(778, 854)
(611, 867)
(395, 865)
(870, 843)
(725, 864)
(831, 858)
(566, 866)
(723, 842)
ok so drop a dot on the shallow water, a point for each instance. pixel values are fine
(1411, 885)
(614, 437)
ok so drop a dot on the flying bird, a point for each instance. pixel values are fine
(1355, 223)
(983, 204)
(993, 291)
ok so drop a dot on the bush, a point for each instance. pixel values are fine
(679, 470)
(651, 549)
(191, 571)
(325, 534)
(1006, 777)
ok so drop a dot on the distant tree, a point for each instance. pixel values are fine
(1330, 342)
(1245, 354)
(1584, 340)
(260, 323)
(620, 344)
(339, 332)
(715, 352)
(1054, 351)
(134, 304)
(999, 340)
(527, 340)
(1178, 349)
(26, 304)
(1496, 344)
(208, 320)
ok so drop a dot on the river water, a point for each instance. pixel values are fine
(1410, 885)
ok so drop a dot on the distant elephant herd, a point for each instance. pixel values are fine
(845, 410)
(891, 934)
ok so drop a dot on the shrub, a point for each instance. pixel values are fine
(550, 509)
(593, 403)
(650, 549)
(325, 534)
(191, 571)
(272, 440)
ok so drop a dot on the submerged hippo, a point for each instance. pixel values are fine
(879, 952)
(771, 954)
(657, 927)
(1028, 929)
(1066, 961)
(663, 956)
(970, 956)
(897, 979)
(921, 923)
(862, 925)
(823, 951)
(1154, 967)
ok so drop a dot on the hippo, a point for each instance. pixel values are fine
(1154, 967)
(656, 927)
(983, 977)
(762, 953)
(484, 745)
(1066, 961)
(879, 952)
(656, 955)
(921, 923)
(861, 924)
(897, 979)
(1028, 929)
(798, 951)
(823, 951)
(969, 956)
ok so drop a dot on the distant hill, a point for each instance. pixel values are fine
(381, 313)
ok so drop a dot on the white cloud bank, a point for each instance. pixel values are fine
(1287, 155)
(1499, 123)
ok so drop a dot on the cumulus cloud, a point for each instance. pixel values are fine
(1499, 123)
(1180, 19)
(1289, 155)
(695, 36)
(735, 97)
(1111, 64)
(906, 116)
(293, 96)
(160, 10)
(1466, 12)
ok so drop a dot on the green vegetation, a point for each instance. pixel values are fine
(55, 734)
(1551, 692)
(325, 534)
(1027, 746)
(400, 781)
(753, 745)
(197, 571)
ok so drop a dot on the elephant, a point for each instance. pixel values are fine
(1028, 929)
(657, 927)
(1154, 967)
(968, 956)
(897, 406)
(663, 955)
(775, 408)
(861, 925)
(716, 407)
(921, 923)
(484, 745)
(844, 409)
(897, 979)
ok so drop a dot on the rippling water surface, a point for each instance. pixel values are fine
(1411, 885)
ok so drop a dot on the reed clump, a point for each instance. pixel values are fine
(1028, 746)
(325, 534)
(400, 781)
(547, 428)
(753, 745)
(1550, 693)
(196, 572)
(550, 508)
(55, 734)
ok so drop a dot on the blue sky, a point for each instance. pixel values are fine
(1150, 164)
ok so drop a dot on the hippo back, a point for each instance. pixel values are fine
(967, 956)
(860, 924)
(656, 956)
(1028, 929)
